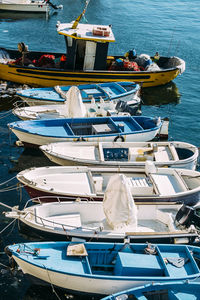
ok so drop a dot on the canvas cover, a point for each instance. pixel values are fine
(74, 106)
(118, 204)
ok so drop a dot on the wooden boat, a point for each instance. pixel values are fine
(86, 61)
(131, 128)
(37, 6)
(105, 268)
(124, 154)
(150, 184)
(180, 290)
(111, 91)
(116, 218)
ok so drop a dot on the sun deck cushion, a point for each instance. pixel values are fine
(134, 264)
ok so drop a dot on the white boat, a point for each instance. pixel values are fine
(72, 107)
(37, 6)
(126, 91)
(116, 218)
(149, 184)
(105, 268)
(124, 154)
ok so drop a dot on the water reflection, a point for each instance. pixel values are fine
(43, 292)
(30, 158)
(6, 16)
(161, 95)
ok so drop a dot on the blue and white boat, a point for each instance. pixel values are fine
(105, 268)
(110, 91)
(180, 290)
(108, 129)
(73, 107)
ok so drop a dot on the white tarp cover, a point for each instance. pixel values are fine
(118, 204)
(73, 104)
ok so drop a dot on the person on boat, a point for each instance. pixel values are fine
(156, 57)
(131, 54)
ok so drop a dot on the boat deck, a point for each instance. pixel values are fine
(122, 262)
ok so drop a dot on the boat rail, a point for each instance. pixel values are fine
(59, 199)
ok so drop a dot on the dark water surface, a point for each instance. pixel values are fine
(170, 27)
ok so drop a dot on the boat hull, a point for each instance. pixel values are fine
(132, 99)
(63, 160)
(31, 7)
(51, 77)
(86, 284)
(30, 140)
(179, 290)
(46, 234)
(191, 198)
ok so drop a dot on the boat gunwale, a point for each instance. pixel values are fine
(112, 277)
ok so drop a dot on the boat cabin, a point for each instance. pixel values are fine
(87, 45)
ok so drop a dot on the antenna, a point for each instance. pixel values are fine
(75, 24)
(171, 40)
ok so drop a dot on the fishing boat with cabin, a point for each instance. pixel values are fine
(86, 60)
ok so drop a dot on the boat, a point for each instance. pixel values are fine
(150, 184)
(115, 219)
(105, 268)
(113, 128)
(86, 60)
(126, 91)
(36, 6)
(124, 154)
(180, 290)
(72, 107)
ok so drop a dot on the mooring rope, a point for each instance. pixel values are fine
(11, 188)
(7, 226)
(7, 267)
(4, 115)
(7, 180)
(52, 286)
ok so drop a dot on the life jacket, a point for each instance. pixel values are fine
(63, 58)
(46, 59)
(131, 65)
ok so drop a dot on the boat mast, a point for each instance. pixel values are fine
(75, 24)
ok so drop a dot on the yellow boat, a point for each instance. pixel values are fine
(86, 61)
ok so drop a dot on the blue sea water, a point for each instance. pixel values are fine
(170, 27)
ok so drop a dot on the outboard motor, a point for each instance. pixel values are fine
(122, 106)
(186, 216)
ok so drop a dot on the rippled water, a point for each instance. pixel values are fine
(170, 27)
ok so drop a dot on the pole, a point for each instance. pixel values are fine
(75, 24)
